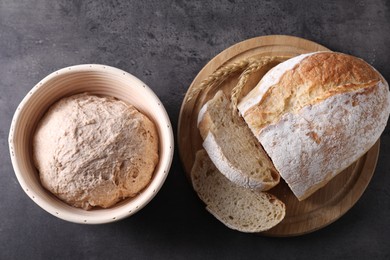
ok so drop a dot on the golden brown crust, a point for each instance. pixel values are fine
(312, 80)
(316, 114)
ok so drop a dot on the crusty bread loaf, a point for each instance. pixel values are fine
(233, 148)
(237, 207)
(94, 151)
(315, 114)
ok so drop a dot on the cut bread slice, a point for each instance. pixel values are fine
(232, 146)
(237, 207)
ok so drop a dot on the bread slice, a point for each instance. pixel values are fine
(233, 148)
(237, 207)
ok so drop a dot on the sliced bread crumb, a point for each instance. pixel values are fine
(233, 148)
(237, 207)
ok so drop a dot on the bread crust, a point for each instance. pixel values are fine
(320, 114)
(309, 148)
(304, 80)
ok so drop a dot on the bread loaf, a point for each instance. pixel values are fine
(233, 148)
(315, 114)
(237, 207)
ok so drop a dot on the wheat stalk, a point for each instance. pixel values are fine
(254, 66)
(219, 76)
(246, 66)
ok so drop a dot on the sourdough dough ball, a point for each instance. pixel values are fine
(94, 151)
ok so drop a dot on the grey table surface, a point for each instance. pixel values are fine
(165, 44)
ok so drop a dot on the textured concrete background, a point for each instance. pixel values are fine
(165, 44)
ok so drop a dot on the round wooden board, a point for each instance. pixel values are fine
(327, 204)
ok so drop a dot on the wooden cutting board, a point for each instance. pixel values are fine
(327, 204)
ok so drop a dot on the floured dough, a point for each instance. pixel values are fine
(94, 151)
